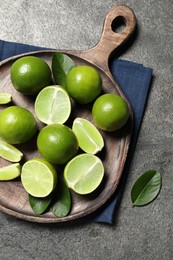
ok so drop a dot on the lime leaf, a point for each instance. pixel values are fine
(61, 65)
(39, 205)
(5, 98)
(146, 188)
(9, 152)
(62, 200)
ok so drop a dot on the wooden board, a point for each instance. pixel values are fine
(13, 197)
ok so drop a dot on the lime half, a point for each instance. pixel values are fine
(38, 177)
(84, 173)
(9, 152)
(89, 138)
(5, 98)
(53, 105)
(10, 172)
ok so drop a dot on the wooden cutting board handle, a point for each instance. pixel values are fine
(111, 40)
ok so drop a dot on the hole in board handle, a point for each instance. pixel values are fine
(118, 24)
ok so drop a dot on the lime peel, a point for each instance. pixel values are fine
(18, 125)
(30, 74)
(110, 112)
(57, 143)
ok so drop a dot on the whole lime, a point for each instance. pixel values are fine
(30, 74)
(110, 112)
(17, 125)
(57, 143)
(84, 84)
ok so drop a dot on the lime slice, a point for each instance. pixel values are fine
(9, 152)
(84, 173)
(38, 177)
(10, 172)
(89, 138)
(5, 98)
(53, 105)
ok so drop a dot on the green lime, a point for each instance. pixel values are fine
(53, 105)
(84, 173)
(5, 98)
(38, 177)
(84, 84)
(30, 74)
(10, 172)
(9, 152)
(110, 112)
(57, 143)
(17, 125)
(89, 138)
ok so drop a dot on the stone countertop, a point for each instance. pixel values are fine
(137, 233)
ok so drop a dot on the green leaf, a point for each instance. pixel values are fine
(146, 188)
(61, 65)
(62, 203)
(39, 205)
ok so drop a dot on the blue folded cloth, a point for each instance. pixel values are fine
(134, 80)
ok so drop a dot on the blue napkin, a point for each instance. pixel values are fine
(134, 80)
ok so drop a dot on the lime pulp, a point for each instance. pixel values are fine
(5, 98)
(10, 172)
(84, 173)
(89, 138)
(9, 152)
(53, 105)
(38, 177)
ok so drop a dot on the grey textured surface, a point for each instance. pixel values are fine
(137, 233)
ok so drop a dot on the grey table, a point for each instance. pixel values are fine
(137, 233)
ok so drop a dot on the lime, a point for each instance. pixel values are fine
(89, 138)
(5, 98)
(53, 105)
(84, 84)
(10, 172)
(17, 125)
(38, 177)
(57, 143)
(9, 152)
(84, 173)
(30, 74)
(110, 112)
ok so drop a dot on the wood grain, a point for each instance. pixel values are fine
(13, 198)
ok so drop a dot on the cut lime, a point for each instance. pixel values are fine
(9, 152)
(84, 173)
(53, 105)
(5, 98)
(38, 177)
(89, 138)
(10, 172)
